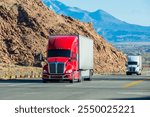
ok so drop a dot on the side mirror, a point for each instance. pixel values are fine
(43, 63)
(42, 58)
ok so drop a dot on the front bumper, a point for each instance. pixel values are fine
(133, 72)
(57, 76)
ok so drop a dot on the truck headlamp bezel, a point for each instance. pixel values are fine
(69, 71)
(45, 71)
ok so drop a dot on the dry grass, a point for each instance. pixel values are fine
(8, 71)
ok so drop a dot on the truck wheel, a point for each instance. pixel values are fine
(72, 80)
(80, 79)
(138, 73)
(128, 73)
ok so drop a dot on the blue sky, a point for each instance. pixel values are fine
(131, 11)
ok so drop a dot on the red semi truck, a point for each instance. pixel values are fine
(69, 58)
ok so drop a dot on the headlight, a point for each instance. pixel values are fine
(69, 71)
(44, 71)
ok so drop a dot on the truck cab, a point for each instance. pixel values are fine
(134, 65)
(63, 59)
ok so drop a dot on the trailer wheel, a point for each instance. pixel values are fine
(88, 79)
(90, 76)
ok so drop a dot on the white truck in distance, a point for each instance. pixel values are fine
(134, 65)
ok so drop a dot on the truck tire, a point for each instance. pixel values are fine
(72, 80)
(128, 73)
(138, 73)
(88, 79)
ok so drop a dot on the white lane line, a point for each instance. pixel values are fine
(31, 93)
(77, 93)
(75, 84)
(12, 85)
(88, 83)
(135, 93)
(94, 87)
(18, 84)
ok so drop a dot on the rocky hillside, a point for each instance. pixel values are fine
(25, 26)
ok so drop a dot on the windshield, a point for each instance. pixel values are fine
(132, 63)
(58, 53)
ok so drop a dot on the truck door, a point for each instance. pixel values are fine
(75, 61)
(74, 56)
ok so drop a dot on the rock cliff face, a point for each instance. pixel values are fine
(25, 26)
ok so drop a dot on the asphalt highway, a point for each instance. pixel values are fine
(102, 87)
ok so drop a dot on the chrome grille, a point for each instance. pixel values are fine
(52, 68)
(132, 69)
(56, 68)
(60, 68)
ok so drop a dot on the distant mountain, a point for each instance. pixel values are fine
(111, 28)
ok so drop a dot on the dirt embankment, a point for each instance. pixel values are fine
(25, 26)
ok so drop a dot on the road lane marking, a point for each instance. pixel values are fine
(11, 85)
(17, 84)
(133, 83)
(74, 84)
(93, 87)
(135, 93)
(31, 93)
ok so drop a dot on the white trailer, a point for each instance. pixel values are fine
(85, 57)
(134, 65)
